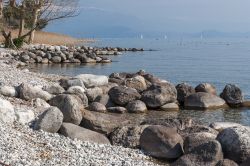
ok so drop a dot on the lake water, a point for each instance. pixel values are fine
(217, 61)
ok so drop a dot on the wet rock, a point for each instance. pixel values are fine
(127, 136)
(183, 91)
(70, 106)
(50, 120)
(206, 87)
(202, 100)
(161, 142)
(233, 95)
(28, 92)
(159, 95)
(76, 132)
(56, 59)
(136, 106)
(123, 95)
(97, 107)
(235, 143)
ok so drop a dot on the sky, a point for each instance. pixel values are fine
(112, 17)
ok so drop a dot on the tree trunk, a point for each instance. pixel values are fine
(34, 24)
(21, 26)
(8, 40)
(1, 9)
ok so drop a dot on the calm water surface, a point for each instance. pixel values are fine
(218, 61)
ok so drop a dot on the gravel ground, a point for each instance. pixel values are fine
(20, 145)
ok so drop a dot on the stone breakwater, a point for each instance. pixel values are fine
(46, 54)
(88, 108)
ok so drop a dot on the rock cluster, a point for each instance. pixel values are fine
(78, 108)
(46, 54)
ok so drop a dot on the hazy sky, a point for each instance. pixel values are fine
(126, 16)
(181, 15)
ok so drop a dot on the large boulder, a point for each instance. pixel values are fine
(67, 83)
(206, 87)
(54, 89)
(80, 92)
(50, 120)
(7, 112)
(105, 100)
(127, 136)
(71, 107)
(208, 153)
(90, 80)
(159, 94)
(93, 93)
(8, 91)
(97, 107)
(137, 82)
(202, 100)
(184, 90)
(161, 142)
(102, 123)
(76, 132)
(235, 143)
(28, 92)
(233, 95)
(123, 95)
(136, 106)
(24, 116)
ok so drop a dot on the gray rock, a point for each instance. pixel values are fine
(128, 137)
(28, 92)
(137, 82)
(233, 95)
(54, 89)
(67, 83)
(97, 107)
(102, 123)
(40, 103)
(7, 113)
(119, 110)
(123, 95)
(208, 153)
(8, 91)
(159, 95)
(93, 93)
(206, 87)
(80, 92)
(227, 162)
(136, 106)
(202, 100)
(170, 107)
(56, 59)
(50, 120)
(70, 106)
(90, 80)
(235, 143)
(161, 142)
(184, 90)
(24, 116)
(105, 100)
(219, 126)
(77, 132)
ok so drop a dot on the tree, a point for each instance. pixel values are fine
(37, 13)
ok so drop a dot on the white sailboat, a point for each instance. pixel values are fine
(142, 37)
(165, 37)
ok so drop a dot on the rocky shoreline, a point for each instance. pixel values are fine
(56, 120)
(47, 54)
